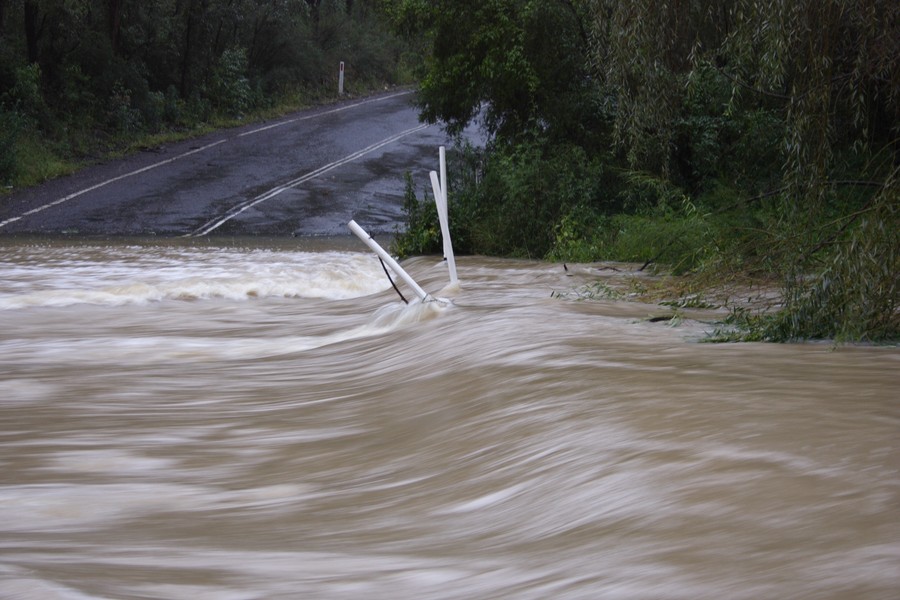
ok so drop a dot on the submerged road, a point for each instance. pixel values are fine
(306, 174)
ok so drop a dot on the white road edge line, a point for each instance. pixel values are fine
(186, 154)
(108, 181)
(241, 207)
(321, 114)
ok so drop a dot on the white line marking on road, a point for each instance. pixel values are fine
(186, 154)
(247, 204)
(327, 112)
(108, 181)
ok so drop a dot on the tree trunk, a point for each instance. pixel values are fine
(314, 12)
(32, 30)
(186, 52)
(114, 15)
(3, 4)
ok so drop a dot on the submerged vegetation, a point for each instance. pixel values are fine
(755, 137)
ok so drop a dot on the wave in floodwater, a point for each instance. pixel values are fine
(62, 276)
(274, 424)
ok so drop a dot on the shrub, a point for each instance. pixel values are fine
(522, 194)
(121, 114)
(580, 236)
(26, 93)
(232, 92)
(423, 233)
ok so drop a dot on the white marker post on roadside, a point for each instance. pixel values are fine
(341, 79)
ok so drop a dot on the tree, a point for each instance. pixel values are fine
(114, 19)
(826, 72)
(522, 62)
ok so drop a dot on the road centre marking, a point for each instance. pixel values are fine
(247, 204)
(185, 155)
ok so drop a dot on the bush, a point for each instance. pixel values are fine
(580, 236)
(423, 232)
(516, 204)
(26, 93)
(122, 116)
(544, 200)
(231, 88)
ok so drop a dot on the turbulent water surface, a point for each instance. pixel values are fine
(252, 421)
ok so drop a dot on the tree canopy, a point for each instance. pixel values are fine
(523, 63)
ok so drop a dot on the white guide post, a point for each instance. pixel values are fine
(387, 258)
(439, 187)
(341, 79)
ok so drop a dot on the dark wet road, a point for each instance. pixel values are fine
(305, 174)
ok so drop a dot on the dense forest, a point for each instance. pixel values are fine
(728, 138)
(81, 78)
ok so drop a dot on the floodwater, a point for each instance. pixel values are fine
(248, 421)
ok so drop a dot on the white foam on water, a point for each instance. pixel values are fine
(116, 276)
(155, 349)
(84, 507)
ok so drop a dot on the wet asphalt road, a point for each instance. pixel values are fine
(306, 174)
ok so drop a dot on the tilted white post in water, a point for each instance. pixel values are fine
(387, 258)
(442, 162)
(439, 187)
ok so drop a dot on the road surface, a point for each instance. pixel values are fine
(306, 174)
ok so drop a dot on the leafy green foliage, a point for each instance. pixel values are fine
(231, 86)
(519, 65)
(856, 294)
(423, 232)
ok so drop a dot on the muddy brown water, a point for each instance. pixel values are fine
(254, 422)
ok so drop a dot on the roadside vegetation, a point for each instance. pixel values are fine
(747, 140)
(83, 80)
